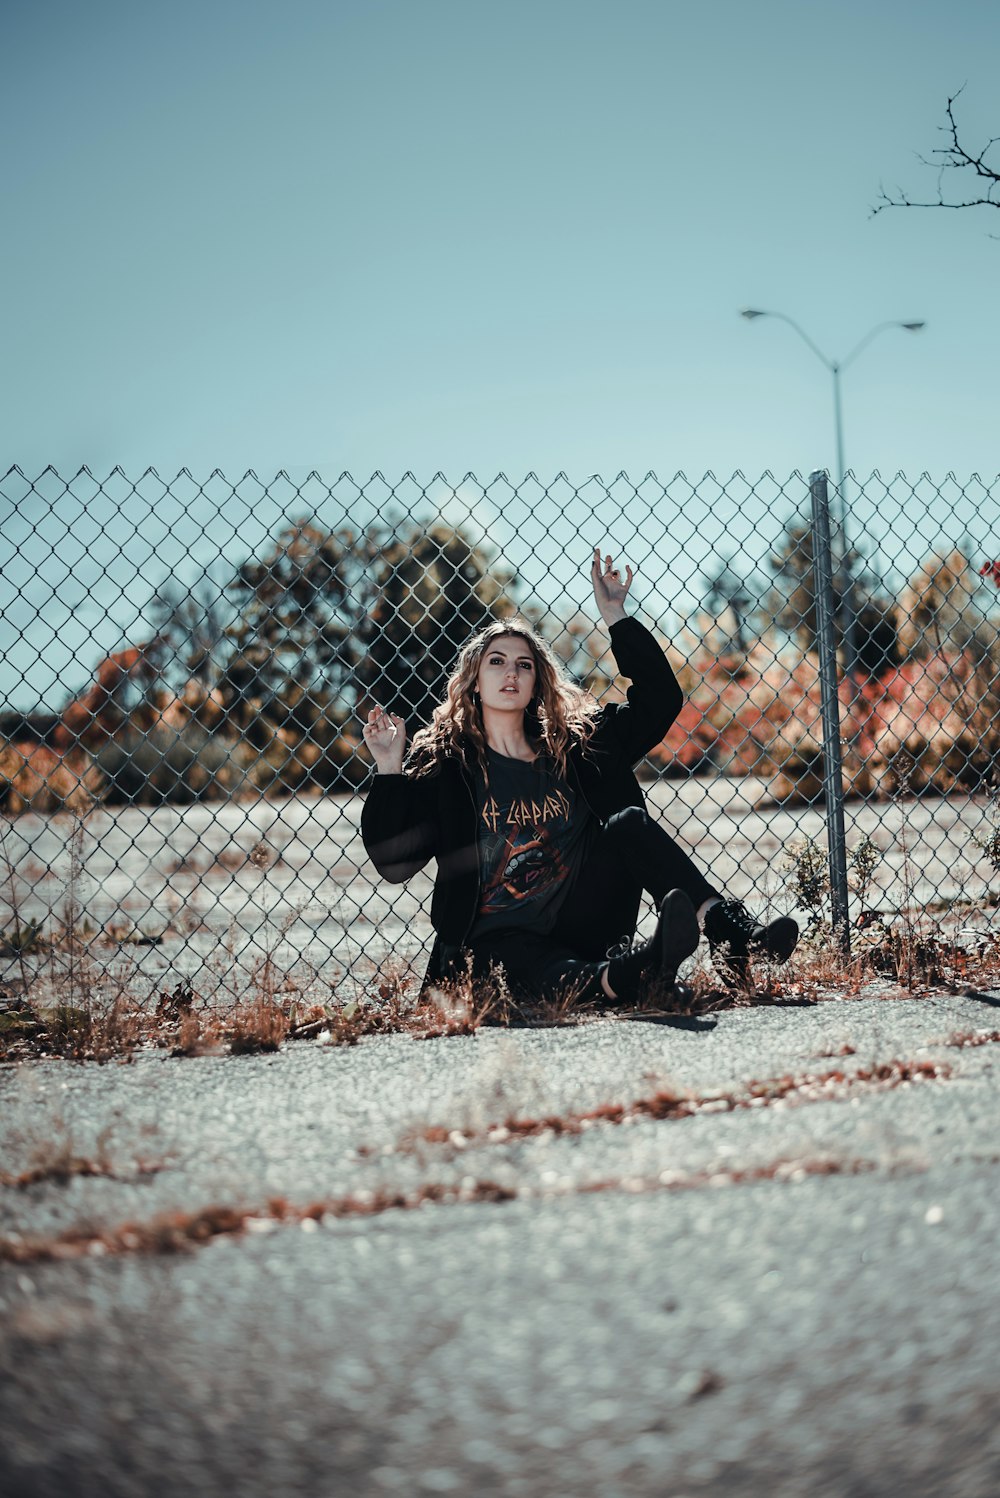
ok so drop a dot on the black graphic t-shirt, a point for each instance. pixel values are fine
(533, 835)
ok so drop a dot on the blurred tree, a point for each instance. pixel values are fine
(792, 604)
(876, 639)
(944, 607)
(581, 644)
(733, 601)
(433, 588)
(328, 619)
(952, 645)
(297, 640)
(189, 629)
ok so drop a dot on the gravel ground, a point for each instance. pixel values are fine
(633, 1319)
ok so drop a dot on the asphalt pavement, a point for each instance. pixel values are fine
(753, 1255)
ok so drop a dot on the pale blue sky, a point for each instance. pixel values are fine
(445, 234)
(450, 234)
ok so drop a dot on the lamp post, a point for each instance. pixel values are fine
(836, 368)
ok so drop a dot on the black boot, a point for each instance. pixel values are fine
(734, 937)
(657, 960)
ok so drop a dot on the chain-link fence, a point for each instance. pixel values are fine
(186, 665)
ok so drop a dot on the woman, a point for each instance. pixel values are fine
(522, 789)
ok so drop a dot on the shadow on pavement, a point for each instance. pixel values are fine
(675, 1021)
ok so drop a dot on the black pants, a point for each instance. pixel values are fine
(630, 854)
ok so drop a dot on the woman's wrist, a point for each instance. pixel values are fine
(613, 615)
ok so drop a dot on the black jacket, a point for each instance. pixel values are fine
(406, 821)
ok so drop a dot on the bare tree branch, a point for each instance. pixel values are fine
(954, 157)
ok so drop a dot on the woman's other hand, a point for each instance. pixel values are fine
(385, 735)
(609, 590)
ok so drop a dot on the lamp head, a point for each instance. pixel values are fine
(751, 312)
(914, 327)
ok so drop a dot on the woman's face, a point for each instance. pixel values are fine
(506, 680)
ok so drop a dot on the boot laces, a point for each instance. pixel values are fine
(740, 917)
(622, 948)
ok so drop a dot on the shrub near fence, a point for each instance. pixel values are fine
(187, 665)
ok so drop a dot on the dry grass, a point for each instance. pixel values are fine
(180, 1232)
(198, 1034)
(75, 1009)
(69, 1003)
(96, 1030)
(676, 1103)
(259, 1025)
(53, 1154)
(963, 1039)
(64, 1167)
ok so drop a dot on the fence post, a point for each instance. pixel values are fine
(832, 769)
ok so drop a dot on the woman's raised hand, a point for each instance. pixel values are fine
(385, 735)
(609, 590)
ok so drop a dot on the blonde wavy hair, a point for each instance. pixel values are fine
(559, 715)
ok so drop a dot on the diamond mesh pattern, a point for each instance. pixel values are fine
(185, 664)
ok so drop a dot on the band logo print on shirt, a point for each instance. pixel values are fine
(523, 813)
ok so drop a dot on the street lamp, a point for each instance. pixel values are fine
(836, 368)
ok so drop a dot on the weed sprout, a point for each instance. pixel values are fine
(864, 859)
(990, 845)
(809, 870)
